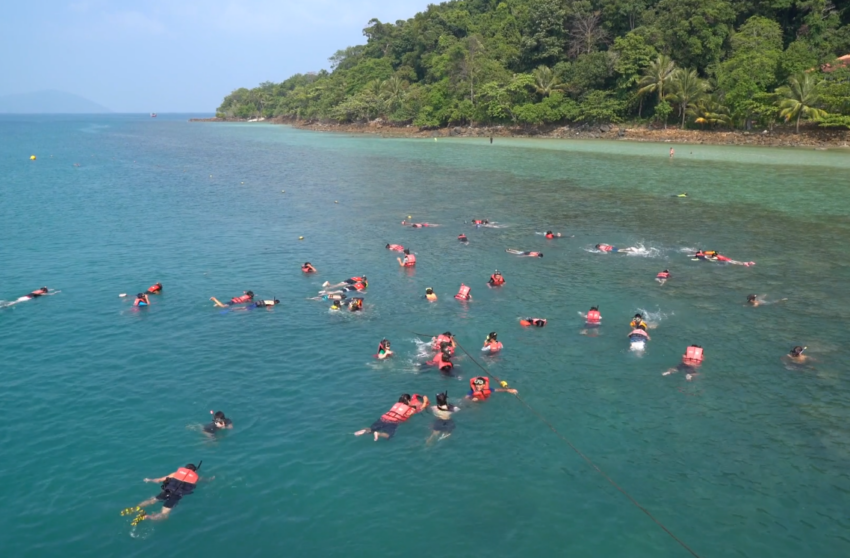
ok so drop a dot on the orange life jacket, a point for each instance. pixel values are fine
(663, 275)
(154, 289)
(358, 279)
(359, 286)
(185, 475)
(306, 269)
(539, 322)
(241, 299)
(396, 247)
(409, 260)
(483, 392)
(497, 280)
(550, 236)
(440, 363)
(399, 412)
(692, 356)
(593, 317)
(495, 346)
(463, 293)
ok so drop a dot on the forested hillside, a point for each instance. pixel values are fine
(691, 63)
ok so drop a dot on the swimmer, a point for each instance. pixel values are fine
(308, 268)
(444, 342)
(491, 344)
(443, 411)
(418, 225)
(355, 304)
(663, 276)
(409, 259)
(479, 222)
(753, 300)
(395, 247)
(336, 305)
(332, 296)
(384, 350)
(34, 294)
(691, 361)
(174, 486)
(672, 152)
(430, 296)
(155, 289)
(219, 422)
(637, 322)
(496, 280)
(443, 361)
(550, 235)
(524, 253)
(480, 389)
(593, 318)
(141, 300)
(347, 283)
(538, 322)
(406, 407)
(462, 238)
(244, 299)
(463, 293)
(615, 250)
(796, 355)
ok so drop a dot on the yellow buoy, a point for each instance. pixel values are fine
(300, 238)
(410, 216)
(32, 157)
(504, 384)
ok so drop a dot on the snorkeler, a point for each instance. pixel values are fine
(244, 299)
(715, 256)
(355, 304)
(637, 322)
(430, 296)
(463, 293)
(219, 422)
(443, 361)
(141, 300)
(796, 355)
(444, 425)
(308, 268)
(331, 296)
(444, 342)
(496, 280)
(462, 238)
(34, 294)
(347, 284)
(335, 305)
(524, 253)
(264, 303)
(418, 225)
(406, 407)
(409, 259)
(395, 247)
(593, 318)
(550, 235)
(753, 300)
(384, 350)
(480, 390)
(614, 249)
(174, 486)
(491, 344)
(479, 222)
(691, 361)
(155, 289)
(663, 276)
(538, 322)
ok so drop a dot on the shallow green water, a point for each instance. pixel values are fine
(748, 459)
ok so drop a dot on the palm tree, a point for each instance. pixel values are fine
(686, 87)
(394, 89)
(545, 81)
(801, 97)
(709, 110)
(657, 73)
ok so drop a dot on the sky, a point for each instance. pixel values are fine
(176, 55)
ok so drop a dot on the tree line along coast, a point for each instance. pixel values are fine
(714, 65)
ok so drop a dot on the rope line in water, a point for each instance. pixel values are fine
(578, 451)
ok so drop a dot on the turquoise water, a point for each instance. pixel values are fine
(749, 459)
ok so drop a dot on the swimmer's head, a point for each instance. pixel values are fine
(797, 351)
(491, 336)
(448, 334)
(249, 293)
(497, 272)
(549, 232)
(751, 298)
(596, 308)
(666, 271)
(443, 399)
(638, 316)
(598, 247)
(479, 381)
(140, 295)
(540, 255)
(276, 301)
(385, 343)
(404, 399)
(429, 291)
(191, 467)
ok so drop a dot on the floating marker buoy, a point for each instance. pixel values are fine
(283, 191)
(300, 238)
(243, 183)
(122, 295)
(410, 216)
(504, 384)
(336, 201)
(32, 157)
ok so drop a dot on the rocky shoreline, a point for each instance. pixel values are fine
(810, 137)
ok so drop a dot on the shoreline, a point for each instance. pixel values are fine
(816, 138)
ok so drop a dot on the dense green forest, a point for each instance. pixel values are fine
(691, 63)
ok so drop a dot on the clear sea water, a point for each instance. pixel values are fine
(748, 459)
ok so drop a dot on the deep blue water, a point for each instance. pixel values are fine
(748, 459)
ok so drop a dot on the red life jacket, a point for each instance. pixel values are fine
(550, 236)
(399, 412)
(154, 289)
(463, 293)
(692, 356)
(483, 392)
(306, 269)
(497, 280)
(359, 286)
(396, 247)
(185, 475)
(640, 332)
(721, 258)
(593, 317)
(409, 260)
(495, 346)
(663, 275)
(477, 222)
(357, 279)
(435, 343)
(605, 247)
(241, 299)
(440, 363)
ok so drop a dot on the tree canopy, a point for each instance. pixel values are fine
(713, 62)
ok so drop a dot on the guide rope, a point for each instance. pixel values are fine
(578, 451)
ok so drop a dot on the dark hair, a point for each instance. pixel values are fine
(140, 295)
(191, 467)
(448, 334)
(407, 251)
(549, 232)
(798, 350)
(442, 399)
(595, 308)
(219, 415)
(479, 380)
(639, 316)
(249, 293)
(751, 297)
(308, 263)
(404, 399)
(429, 290)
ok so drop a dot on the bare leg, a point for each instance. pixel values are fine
(161, 515)
(328, 286)
(430, 439)
(361, 432)
(217, 302)
(147, 502)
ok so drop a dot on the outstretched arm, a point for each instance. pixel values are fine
(217, 302)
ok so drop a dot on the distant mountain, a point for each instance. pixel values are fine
(49, 101)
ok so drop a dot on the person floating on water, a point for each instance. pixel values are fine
(308, 268)
(480, 222)
(418, 225)
(550, 235)
(796, 355)
(614, 250)
(443, 425)
(244, 299)
(155, 289)
(406, 407)
(524, 253)
(462, 238)
(443, 361)
(480, 390)
(753, 300)
(395, 247)
(34, 294)
(409, 259)
(491, 344)
(496, 280)
(637, 322)
(715, 256)
(593, 318)
(691, 361)
(332, 296)
(384, 350)
(141, 300)
(219, 422)
(430, 296)
(463, 293)
(444, 342)
(174, 486)
(663, 276)
(349, 284)
(538, 322)
(355, 304)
